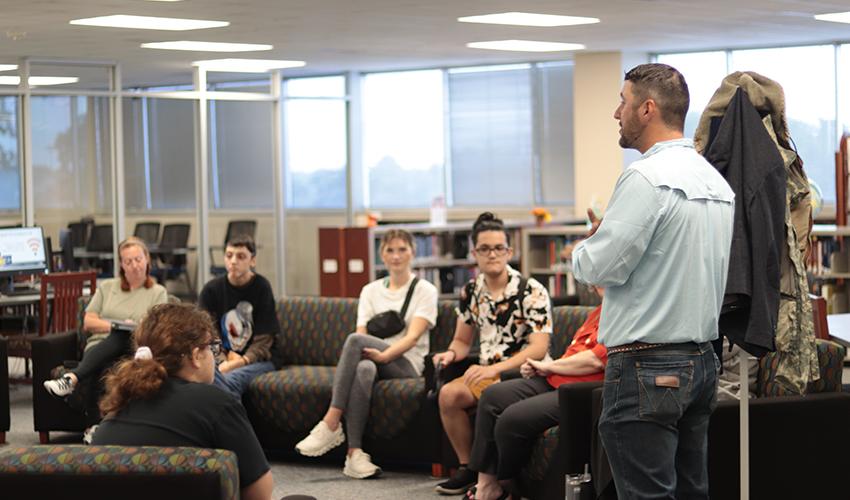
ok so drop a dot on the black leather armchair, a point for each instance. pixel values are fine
(5, 417)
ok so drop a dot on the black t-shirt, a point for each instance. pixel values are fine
(188, 414)
(242, 314)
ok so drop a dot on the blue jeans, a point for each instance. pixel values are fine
(656, 404)
(236, 381)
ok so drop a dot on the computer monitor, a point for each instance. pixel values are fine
(22, 252)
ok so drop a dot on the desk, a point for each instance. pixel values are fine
(82, 253)
(839, 328)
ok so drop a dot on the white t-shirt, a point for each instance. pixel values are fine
(376, 297)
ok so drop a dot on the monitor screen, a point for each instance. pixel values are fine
(22, 251)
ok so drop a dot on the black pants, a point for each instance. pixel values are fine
(510, 416)
(93, 366)
(102, 356)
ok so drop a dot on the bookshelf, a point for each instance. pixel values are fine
(350, 257)
(829, 265)
(541, 256)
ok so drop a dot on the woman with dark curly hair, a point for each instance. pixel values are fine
(164, 396)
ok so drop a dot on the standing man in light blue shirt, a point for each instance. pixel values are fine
(662, 252)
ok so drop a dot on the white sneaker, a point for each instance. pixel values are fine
(88, 434)
(359, 466)
(61, 386)
(320, 440)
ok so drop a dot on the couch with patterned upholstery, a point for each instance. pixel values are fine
(285, 404)
(141, 472)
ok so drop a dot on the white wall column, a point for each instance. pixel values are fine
(279, 167)
(202, 172)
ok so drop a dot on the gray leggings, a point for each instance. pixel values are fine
(354, 378)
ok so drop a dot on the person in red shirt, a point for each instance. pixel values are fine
(512, 414)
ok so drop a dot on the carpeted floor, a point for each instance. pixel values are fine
(324, 481)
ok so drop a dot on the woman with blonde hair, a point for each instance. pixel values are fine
(164, 396)
(394, 315)
(116, 308)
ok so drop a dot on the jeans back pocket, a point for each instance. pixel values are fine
(664, 388)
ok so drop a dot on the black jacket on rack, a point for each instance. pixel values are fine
(743, 151)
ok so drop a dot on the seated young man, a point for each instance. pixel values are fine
(511, 415)
(513, 319)
(242, 308)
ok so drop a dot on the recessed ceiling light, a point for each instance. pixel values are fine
(149, 23)
(207, 46)
(525, 46)
(528, 19)
(246, 65)
(835, 17)
(8, 67)
(164, 0)
(38, 80)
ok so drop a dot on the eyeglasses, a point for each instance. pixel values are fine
(498, 250)
(215, 347)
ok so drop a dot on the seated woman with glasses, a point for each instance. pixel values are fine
(513, 319)
(164, 396)
(373, 353)
(117, 306)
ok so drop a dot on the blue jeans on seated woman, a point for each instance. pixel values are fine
(656, 404)
(236, 381)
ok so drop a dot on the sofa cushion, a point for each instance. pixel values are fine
(313, 329)
(99, 461)
(566, 320)
(295, 398)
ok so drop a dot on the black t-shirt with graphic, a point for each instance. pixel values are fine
(244, 316)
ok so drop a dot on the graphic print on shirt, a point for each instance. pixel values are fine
(237, 327)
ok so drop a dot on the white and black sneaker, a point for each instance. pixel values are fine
(88, 434)
(60, 387)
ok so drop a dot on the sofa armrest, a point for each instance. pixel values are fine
(576, 424)
(50, 351)
(5, 419)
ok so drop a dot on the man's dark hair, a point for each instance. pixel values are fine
(487, 221)
(664, 85)
(245, 241)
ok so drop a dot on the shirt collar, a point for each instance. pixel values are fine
(511, 288)
(674, 143)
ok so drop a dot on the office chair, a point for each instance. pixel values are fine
(234, 228)
(172, 265)
(147, 232)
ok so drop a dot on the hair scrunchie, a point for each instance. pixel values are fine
(143, 352)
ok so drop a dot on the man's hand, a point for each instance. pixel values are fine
(375, 355)
(443, 358)
(477, 373)
(233, 356)
(594, 222)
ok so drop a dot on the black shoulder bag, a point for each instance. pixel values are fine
(389, 323)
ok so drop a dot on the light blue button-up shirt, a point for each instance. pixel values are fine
(662, 250)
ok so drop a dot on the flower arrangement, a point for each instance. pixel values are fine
(541, 215)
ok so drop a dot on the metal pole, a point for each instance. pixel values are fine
(116, 142)
(279, 165)
(744, 405)
(25, 128)
(202, 176)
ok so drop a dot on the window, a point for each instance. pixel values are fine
(241, 169)
(490, 112)
(844, 89)
(403, 145)
(70, 145)
(807, 75)
(316, 142)
(703, 71)
(10, 171)
(555, 90)
(159, 154)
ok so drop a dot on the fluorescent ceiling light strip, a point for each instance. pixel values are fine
(38, 80)
(528, 19)
(149, 23)
(835, 17)
(207, 46)
(8, 67)
(246, 65)
(525, 46)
